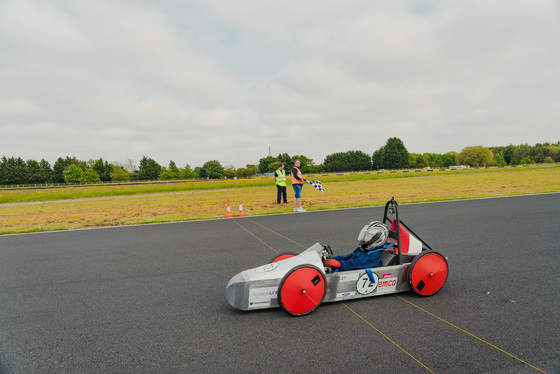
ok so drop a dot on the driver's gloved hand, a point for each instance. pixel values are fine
(331, 262)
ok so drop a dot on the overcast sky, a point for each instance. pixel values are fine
(193, 81)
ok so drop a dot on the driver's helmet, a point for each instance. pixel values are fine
(373, 236)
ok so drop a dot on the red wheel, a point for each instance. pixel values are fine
(282, 256)
(302, 290)
(427, 273)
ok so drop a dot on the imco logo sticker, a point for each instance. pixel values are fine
(387, 285)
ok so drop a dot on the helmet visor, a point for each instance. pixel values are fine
(365, 235)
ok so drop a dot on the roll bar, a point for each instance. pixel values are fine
(392, 207)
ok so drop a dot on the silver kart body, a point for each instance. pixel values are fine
(258, 288)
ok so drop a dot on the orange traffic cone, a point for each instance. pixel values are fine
(228, 214)
(241, 213)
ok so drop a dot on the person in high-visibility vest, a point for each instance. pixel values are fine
(280, 178)
(297, 184)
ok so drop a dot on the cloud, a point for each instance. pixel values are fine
(203, 80)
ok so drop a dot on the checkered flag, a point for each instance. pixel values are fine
(317, 184)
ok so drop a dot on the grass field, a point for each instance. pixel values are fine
(82, 207)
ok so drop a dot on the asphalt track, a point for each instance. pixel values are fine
(151, 299)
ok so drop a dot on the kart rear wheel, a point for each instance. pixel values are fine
(282, 256)
(302, 290)
(428, 273)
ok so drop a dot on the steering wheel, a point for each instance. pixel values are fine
(328, 250)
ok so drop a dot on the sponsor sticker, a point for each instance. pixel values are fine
(263, 293)
(258, 304)
(259, 297)
(387, 275)
(345, 294)
(266, 268)
(349, 277)
(387, 285)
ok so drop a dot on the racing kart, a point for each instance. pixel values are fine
(300, 283)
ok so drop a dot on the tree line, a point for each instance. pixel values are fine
(393, 155)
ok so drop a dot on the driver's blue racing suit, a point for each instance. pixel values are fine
(359, 260)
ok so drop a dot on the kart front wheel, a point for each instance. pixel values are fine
(428, 273)
(302, 290)
(282, 256)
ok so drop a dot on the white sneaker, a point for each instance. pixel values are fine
(296, 210)
(301, 210)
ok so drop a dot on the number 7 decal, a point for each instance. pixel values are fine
(365, 286)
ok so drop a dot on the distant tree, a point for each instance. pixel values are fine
(274, 166)
(45, 171)
(545, 150)
(285, 159)
(119, 174)
(16, 171)
(421, 162)
(555, 152)
(73, 174)
(168, 173)
(174, 169)
(187, 173)
(199, 170)
(522, 153)
(4, 178)
(377, 159)
(90, 176)
(499, 159)
(475, 156)
(33, 171)
(306, 164)
(434, 160)
(540, 151)
(242, 173)
(427, 159)
(412, 160)
(61, 164)
(509, 154)
(395, 155)
(251, 169)
(13, 171)
(213, 169)
(58, 170)
(229, 171)
(264, 164)
(347, 161)
(165, 174)
(103, 169)
(149, 169)
(449, 159)
(527, 160)
(548, 160)
(269, 164)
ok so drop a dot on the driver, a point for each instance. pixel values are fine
(372, 238)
